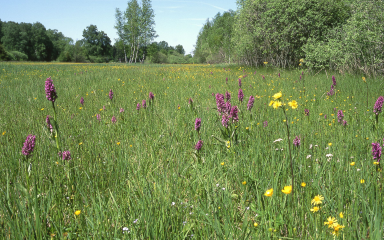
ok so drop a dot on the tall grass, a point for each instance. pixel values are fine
(142, 174)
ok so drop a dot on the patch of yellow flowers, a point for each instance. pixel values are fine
(276, 103)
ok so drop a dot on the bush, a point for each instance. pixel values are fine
(17, 56)
(4, 56)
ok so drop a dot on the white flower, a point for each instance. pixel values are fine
(358, 169)
(125, 229)
(309, 156)
(223, 189)
(135, 221)
(329, 155)
(310, 146)
(217, 185)
(278, 140)
(173, 203)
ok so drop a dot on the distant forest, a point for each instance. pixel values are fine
(344, 35)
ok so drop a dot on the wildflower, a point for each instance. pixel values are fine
(340, 116)
(341, 215)
(352, 164)
(138, 107)
(190, 101)
(329, 155)
(376, 151)
(265, 123)
(331, 221)
(333, 81)
(317, 200)
(144, 104)
(269, 193)
(178, 106)
(66, 155)
(228, 144)
(239, 82)
(50, 91)
(277, 95)
(362, 181)
(279, 74)
(98, 117)
(244, 183)
(375, 163)
(364, 79)
(225, 120)
(345, 123)
(199, 145)
(277, 104)
(287, 189)
(309, 156)
(49, 125)
(110, 94)
(329, 144)
(303, 184)
(121, 110)
(293, 104)
(378, 105)
(220, 102)
(240, 95)
(250, 103)
(197, 124)
(151, 96)
(125, 229)
(296, 141)
(227, 96)
(29, 145)
(336, 228)
(113, 119)
(255, 224)
(306, 112)
(77, 213)
(233, 114)
(265, 63)
(325, 116)
(278, 140)
(222, 164)
(315, 209)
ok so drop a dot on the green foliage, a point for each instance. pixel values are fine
(4, 56)
(17, 56)
(97, 45)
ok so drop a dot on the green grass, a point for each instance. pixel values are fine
(143, 172)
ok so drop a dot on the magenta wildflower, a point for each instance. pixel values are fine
(103, 108)
(225, 120)
(82, 101)
(250, 103)
(279, 74)
(376, 151)
(190, 101)
(340, 116)
(325, 116)
(233, 114)
(227, 96)
(50, 91)
(110, 94)
(144, 104)
(227, 107)
(265, 124)
(198, 124)
(239, 82)
(151, 96)
(66, 155)
(378, 105)
(121, 110)
(296, 141)
(98, 117)
(49, 125)
(29, 145)
(138, 107)
(220, 102)
(300, 77)
(263, 77)
(333, 81)
(240, 95)
(199, 145)
(345, 123)
(306, 112)
(113, 119)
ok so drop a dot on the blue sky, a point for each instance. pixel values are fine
(177, 22)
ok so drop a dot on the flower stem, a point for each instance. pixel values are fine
(289, 150)
(56, 127)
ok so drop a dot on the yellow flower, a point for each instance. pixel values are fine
(255, 224)
(222, 164)
(228, 144)
(299, 64)
(317, 200)
(244, 182)
(42, 109)
(321, 114)
(265, 63)
(336, 228)
(315, 209)
(81, 143)
(100, 109)
(375, 163)
(247, 128)
(287, 189)
(130, 145)
(303, 184)
(77, 213)
(301, 60)
(118, 143)
(352, 164)
(277, 104)
(364, 79)
(80, 108)
(271, 103)
(269, 193)
(4, 133)
(277, 95)
(341, 215)
(329, 144)
(293, 104)
(362, 181)
(331, 221)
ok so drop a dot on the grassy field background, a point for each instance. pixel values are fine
(141, 177)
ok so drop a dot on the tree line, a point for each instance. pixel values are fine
(345, 35)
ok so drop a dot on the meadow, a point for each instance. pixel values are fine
(116, 170)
